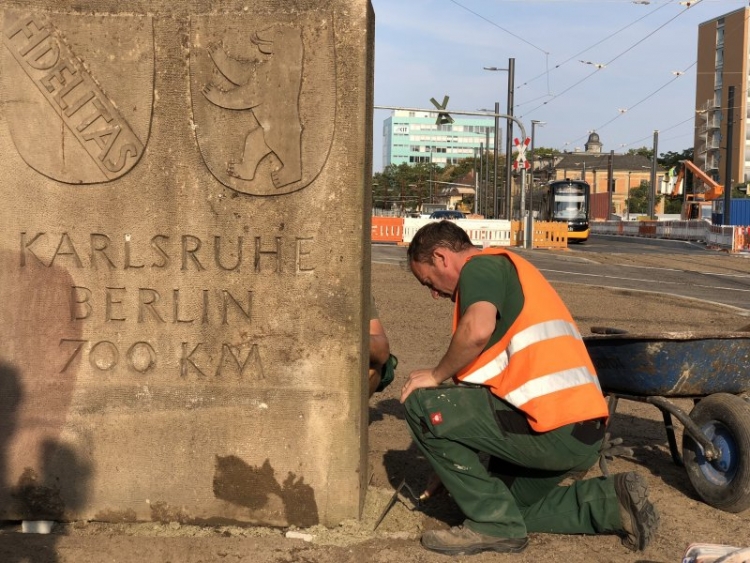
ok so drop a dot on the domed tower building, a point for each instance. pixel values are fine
(592, 166)
(593, 145)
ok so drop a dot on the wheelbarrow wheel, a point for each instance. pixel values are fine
(725, 482)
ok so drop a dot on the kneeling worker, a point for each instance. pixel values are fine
(526, 393)
(382, 362)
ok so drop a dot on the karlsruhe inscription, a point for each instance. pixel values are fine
(183, 260)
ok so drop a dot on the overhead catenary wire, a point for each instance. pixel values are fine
(633, 46)
(550, 97)
(579, 53)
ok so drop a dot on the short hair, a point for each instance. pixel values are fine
(440, 234)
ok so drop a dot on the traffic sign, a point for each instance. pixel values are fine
(521, 156)
(443, 117)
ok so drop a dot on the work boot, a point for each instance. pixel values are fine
(640, 519)
(460, 540)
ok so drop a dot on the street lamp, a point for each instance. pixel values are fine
(511, 70)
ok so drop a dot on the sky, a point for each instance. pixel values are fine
(622, 68)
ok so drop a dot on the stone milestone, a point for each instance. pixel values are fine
(183, 260)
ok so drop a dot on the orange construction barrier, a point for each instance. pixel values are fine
(742, 239)
(550, 234)
(387, 229)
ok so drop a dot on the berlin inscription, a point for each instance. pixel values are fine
(115, 305)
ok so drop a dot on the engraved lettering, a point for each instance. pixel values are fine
(79, 103)
(109, 301)
(128, 262)
(147, 299)
(71, 250)
(99, 244)
(99, 111)
(252, 359)
(160, 251)
(186, 361)
(217, 254)
(191, 245)
(80, 298)
(43, 53)
(176, 308)
(26, 247)
(302, 253)
(141, 357)
(102, 252)
(227, 298)
(35, 36)
(204, 319)
(259, 251)
(122, 158)
(66, 77)
(104, 355)
(76, 351)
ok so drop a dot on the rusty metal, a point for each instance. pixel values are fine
(677, 364)
(651, 368)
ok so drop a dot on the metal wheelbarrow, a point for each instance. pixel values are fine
(711, 369)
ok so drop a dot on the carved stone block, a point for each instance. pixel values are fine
(184, 260)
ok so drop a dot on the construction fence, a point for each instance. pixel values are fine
(723, 237)
(482, 232)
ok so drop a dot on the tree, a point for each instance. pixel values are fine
(670, 159)
(642, 151)
(639, 197)
(737, 194)
(403, 185)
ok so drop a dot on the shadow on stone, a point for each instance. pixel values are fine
(239, 483)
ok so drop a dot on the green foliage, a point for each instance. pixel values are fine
(737, 194)
(545, 152)
(673, 205)
(409, 184)
(671, 158)
(638, 202)
(643, 151)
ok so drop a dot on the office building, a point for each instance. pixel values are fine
(723, 63)
(412, 137)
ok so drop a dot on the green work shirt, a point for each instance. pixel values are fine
(493, 279)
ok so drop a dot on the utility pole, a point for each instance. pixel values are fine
(497, 149)
(487, 172)
(509, 140)
(652, 189)
(476, 184)
(483, 205)
(507, 208)
(728, 174)
(610, 182)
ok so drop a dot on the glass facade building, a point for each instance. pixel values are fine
(412, 137)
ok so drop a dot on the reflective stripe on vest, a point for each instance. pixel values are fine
(551, 384)
(525, 338)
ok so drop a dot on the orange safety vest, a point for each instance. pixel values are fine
(541, 365)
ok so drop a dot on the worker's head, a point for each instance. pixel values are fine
(436, 256)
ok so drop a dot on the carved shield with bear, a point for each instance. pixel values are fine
(264, 97)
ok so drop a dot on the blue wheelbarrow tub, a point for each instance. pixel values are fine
(671, 364)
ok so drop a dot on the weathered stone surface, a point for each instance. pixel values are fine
(183, 265)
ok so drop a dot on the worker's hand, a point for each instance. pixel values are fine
(419, 379)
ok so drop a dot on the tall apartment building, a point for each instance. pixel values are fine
(412, 137)
(723, 62)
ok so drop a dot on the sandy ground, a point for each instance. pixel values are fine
(419, 330)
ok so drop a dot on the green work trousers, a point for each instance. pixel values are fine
(451, 424)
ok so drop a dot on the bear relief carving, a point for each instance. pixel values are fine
(268, 85)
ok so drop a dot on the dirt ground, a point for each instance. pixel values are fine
(419, 330)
